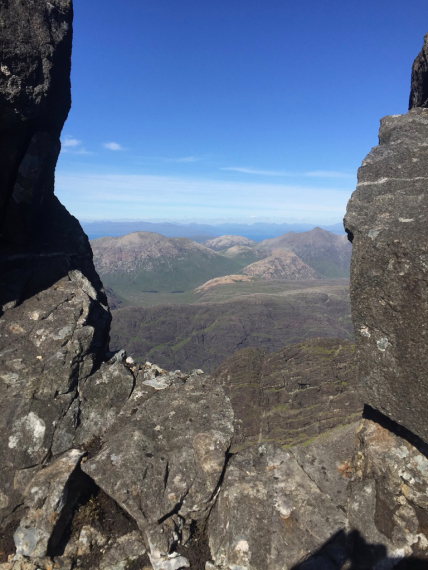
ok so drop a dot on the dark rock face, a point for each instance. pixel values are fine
(55, 323)
(387, 218)
(34, 103)
(419, 85)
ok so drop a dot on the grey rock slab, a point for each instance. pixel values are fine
(101, 397)
(123, 552)
(45, 498)
(327, 461)
(269, 514)
(163, 459)
(386, 217)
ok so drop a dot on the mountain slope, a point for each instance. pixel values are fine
(202, 335)
(148, 262)
(225, 242)
(329, 254)
(282, 264)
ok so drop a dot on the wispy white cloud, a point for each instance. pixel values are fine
(184, 159)
(113, 196)
(113, 146)
(71, 145)
(70, 142)
(290, 174)
(329, 174)
(172, 159)
(258, 172)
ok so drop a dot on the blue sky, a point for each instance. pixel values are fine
(230, 110)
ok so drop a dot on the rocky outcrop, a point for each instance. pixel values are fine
(386, 221)
(388, 494)
(54, 329)
(386, 218)
(419, 83)
(34, 103)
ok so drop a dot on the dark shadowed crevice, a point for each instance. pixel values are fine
(80, 488)
(350, 235)
(197, 550)
(7, 544)
(370, 413)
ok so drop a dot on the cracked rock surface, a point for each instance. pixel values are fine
(387, 216)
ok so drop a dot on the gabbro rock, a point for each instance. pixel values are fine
(164, 458)
(386, 218)
(388, 494)
(46, 500)
(270, 514)
(55, 323)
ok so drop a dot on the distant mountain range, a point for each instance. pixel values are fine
(145, 264)
(199, 232)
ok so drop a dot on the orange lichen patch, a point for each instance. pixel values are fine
(346, 469)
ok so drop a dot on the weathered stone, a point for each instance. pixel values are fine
(386, 218)
(23, 563)
(163, 460)
(45, 498)
(47, 344)
(327, 461)
(419, 84)
(55, 323)
(101, 397)
(389, 492)
(123, 552)
(269, 514)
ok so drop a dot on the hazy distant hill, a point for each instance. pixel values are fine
(328, 253)
(148, 269)
(226, 242)
(197, 231)
(150, 262)
(282, 264)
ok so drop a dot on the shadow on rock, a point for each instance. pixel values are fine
(350, 551)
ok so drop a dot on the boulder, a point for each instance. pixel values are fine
(164, 458)
(269, 514)
(47, 503)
